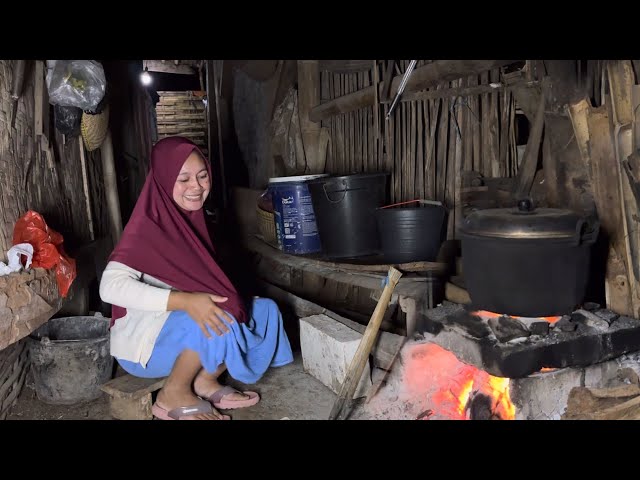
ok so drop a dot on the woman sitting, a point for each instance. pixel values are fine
(175, 312)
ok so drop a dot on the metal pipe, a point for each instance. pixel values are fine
(403, 83)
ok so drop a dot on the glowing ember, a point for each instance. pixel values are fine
(451, 385)
(488, 314)
(547, 369)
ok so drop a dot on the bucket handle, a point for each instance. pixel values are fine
(326, 194)
(422, 202)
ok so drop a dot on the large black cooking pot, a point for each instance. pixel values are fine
(525, 261)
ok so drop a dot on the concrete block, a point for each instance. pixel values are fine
(544, 395)
(328, 347)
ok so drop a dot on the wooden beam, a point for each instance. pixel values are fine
(421, 78)
(344, 66)
(387, 79)
(159, 66)
(527, 170)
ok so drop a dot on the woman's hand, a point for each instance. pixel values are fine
(202, 308)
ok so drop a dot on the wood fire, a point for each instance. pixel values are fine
(457, 391)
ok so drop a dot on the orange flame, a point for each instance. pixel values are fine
(488, 314)
(449, 383)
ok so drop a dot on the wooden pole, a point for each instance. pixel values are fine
(85, 187)
(362, 354)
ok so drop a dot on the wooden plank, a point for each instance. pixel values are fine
(344, 66)
(308, 98)
(386, 81)
(128, 386)
(421, 78)
(527, 171)
(175, 117)
(450, 170)
(39, 98)
(591, 127)
(419, 160)
(162, 67)
(181, 133)
(504, 134)
(458, 163)
(440, 164)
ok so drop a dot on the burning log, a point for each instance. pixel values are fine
(480, 408)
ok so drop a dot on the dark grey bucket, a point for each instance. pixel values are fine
(70, 359)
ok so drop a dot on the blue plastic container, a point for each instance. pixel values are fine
(295, 219)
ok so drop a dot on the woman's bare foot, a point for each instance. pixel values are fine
(173, 398)
(205, 386)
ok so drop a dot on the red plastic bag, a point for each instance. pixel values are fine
(47, 248)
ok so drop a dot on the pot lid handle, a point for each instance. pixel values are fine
(525, 205)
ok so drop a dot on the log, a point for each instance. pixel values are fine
(421, 78)
(617, 403)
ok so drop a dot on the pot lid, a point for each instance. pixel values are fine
(524, 222)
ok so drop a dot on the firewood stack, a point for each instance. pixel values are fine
(184, 114)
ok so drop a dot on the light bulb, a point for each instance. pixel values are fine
(145, 77)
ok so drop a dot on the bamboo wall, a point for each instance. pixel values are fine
(427, 144)
(26, 181)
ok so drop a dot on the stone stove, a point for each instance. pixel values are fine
(478, 365)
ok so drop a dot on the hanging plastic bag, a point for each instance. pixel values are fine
(67, 120)
(47, 248)
(77, 83)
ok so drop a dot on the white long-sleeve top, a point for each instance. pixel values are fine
(145, 298)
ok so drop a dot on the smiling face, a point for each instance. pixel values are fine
(193, 183)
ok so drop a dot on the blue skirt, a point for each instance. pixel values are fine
(247, 350)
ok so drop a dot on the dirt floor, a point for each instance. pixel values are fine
(287, 392)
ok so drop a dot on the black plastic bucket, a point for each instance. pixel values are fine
(70, 359)
(345, 209)
(411, 234)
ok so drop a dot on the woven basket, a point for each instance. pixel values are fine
(13, 370)
(94, 129)
(266, 225)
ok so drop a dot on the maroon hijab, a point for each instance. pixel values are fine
(169, 243)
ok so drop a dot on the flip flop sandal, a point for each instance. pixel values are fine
(218, 400)
(180, 412)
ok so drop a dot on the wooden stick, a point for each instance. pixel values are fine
(356, 367)
(85, 187)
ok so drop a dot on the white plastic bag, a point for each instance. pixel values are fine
(77, 83)
(13, 258)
